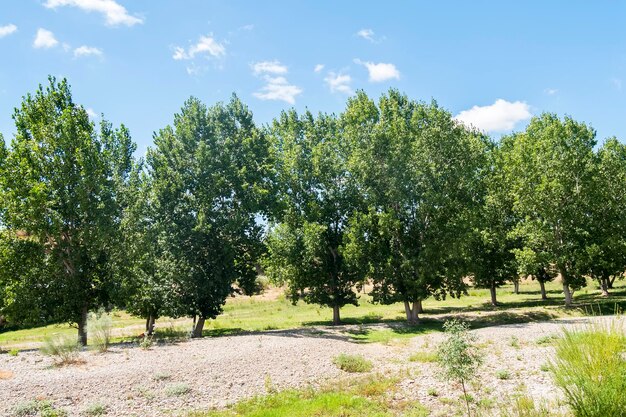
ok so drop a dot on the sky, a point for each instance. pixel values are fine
(491, 64)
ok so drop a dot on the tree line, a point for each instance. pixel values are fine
(391, 193)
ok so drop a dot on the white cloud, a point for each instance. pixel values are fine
(318, 68)
(269, 67)
(366, 34)
(379, 72)
(87, 51)
(497, 117)
(550, 91)
(278, 88)
(44, 39)
(114, 13)
(91, 113)
(7, 30)
(339, 82)
(206, 45)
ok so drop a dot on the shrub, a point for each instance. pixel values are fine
(503, 374)
(353, 363)
(146, 342)
(63, 349)
(459, 356)
(162, 376)
(14, 352)
(99, 326)
(590, 369)
(176, 390)
(37, 408)
(95, 409)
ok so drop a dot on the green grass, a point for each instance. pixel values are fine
(263, 313)
(362, 397)
(423, 356)
(353, 363)
(589, 367)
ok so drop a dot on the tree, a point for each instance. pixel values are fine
(458, 355)
(605, 253)
(536, 263)
(421, 173)
(210, 175)
(492, 257)
(317, 197)
(550, 171)
(59, 188)
(147, 270)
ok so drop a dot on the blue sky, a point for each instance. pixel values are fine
(493, 64)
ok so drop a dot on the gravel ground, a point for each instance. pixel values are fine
(214, 372)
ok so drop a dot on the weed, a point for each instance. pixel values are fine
(95, 409)
(423, 356)
(162, 376)
(63, 349)
(503, 374)
(99, 329)
(353, 363)
(176, 390)
(14, 352)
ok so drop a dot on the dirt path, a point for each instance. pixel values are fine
(213, 372)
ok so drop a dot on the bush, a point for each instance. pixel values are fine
(590, 369)
(14, 352)
(176, 390)
(503, 374)
(352, 363)
(63, 349)
(95, 409)
(37, 408)
(99, 326)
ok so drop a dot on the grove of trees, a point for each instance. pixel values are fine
(392, 195)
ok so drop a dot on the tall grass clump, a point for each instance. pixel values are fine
(590, 368)
(63, 349)
(99, 326)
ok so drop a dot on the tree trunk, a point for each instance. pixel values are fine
(542, 285)
(336, 315)
(197, 330)
(516, 286)
(492, 290)
(82, 326)
(420, 308)
(611, 281)
(412, 315)
(150, 325)
(604, 286)
(568, 294)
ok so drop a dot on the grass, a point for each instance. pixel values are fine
(353, 363)
(423, 356)
(361, 397)
(589, 367)
(273, 312)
